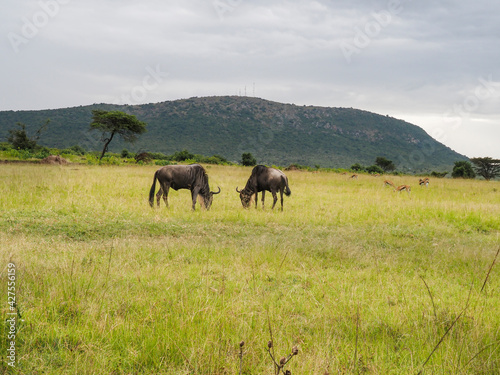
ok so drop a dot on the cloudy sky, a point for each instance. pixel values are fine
(431, 63)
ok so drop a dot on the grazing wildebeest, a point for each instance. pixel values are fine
(264, 178)
(192, 177)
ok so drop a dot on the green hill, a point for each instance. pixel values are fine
(275, 133)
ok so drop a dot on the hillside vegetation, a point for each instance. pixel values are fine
(362, 280)
(275, 133)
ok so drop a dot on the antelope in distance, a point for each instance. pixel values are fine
(400, 188)
(389, 183)
(424, 181)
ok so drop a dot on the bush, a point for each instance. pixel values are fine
(42, 153)
(357, 167)
(438, 174)
(183, 155)
(160, 156)
(248, 160)
(374, 169)
(143, 157)
(463, 169)
(5, 146)
(162, 162)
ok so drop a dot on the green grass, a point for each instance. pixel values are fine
(108, 285)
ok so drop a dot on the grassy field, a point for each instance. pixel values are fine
(362, 280)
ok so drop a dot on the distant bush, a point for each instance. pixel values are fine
(357, 167)
(374, 169)
(183, 155)
(160, 156)
(438, 174)
(215, 159)
(143, 157)
(162, 162)
(42, 153)
(248, 160)
(5, 146)
(463, 169)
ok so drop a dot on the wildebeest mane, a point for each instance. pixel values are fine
(252, 180)
(201, 177)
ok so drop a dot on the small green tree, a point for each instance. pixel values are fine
(386, 164)
(111, 123)
(20, 140)
(248, 160)
(487, 167)
(357, 167)
(463, 169)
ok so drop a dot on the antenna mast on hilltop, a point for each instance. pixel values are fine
(254, 89)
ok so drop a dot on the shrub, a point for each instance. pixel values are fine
(463, 169)
(248, 160)
(183, 155)
(357, 167)
(375, 169)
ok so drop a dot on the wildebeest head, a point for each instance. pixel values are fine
(208, 198)
(245, 196)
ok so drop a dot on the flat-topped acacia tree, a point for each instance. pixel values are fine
(111, 123)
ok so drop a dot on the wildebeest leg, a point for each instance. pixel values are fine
(256, 199)
(158, 196)
(281, 196)
(275, 198)
(164, 188)
(263, 197)
(194, 196)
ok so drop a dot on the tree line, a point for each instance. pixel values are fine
(115, 124)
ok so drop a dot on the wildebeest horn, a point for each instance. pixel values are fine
(213, 192)
(238, 191)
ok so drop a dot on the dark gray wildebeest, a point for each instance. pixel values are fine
(264, 178)
(192, 177)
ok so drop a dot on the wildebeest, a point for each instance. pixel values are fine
(264, 178)
(192, 177)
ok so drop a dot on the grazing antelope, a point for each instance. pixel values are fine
(389, 183)
(424, 181)
(400, 188)
(354, 175)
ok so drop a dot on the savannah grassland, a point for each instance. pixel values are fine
(361, 279)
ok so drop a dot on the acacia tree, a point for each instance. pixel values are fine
(487, 167)
(112, 123)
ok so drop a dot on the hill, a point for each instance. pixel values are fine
(275, 133)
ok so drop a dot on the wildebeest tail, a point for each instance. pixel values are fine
(287, 188)
(152, 191)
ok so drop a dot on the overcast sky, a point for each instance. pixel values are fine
(435, 64)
